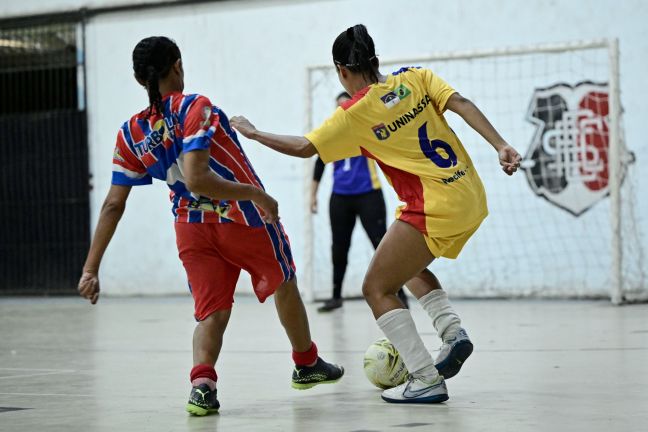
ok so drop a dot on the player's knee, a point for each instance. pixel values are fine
(372, 289)
(287, 289)
(217, 319)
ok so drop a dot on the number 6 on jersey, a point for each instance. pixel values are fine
(429, 149)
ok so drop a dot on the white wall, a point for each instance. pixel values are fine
(10, 8)
(250, 58)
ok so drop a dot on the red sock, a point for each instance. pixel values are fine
(307, 357)
(203, 371)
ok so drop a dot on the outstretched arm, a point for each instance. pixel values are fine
(111, 212)
(287, 144)
(203, 181)
(509, 158)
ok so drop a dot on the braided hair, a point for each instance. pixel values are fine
(354, 49)
(153, 58)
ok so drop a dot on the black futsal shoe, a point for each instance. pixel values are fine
(202, 401)
(305, 377)
(330, 305)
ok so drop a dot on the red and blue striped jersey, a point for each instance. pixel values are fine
(154, 147)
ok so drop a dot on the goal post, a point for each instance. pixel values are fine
(616, 287)
(564, 227)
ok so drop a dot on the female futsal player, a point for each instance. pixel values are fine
(397, 120)
(224, 220)
(356, 194)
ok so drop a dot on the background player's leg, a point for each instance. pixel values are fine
(343, 220)
(401, 255)
(373, 216)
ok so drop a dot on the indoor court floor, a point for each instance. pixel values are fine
(123, 365)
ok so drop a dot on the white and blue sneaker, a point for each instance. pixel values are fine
(415, 390)
(454, 353)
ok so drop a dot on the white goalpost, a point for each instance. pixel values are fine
(566, 226)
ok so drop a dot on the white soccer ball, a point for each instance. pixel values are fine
(383, 366)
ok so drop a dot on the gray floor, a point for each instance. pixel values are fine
(123, 366)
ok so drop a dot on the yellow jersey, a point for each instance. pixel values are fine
(400, 124)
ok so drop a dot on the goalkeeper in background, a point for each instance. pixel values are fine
(356, 194)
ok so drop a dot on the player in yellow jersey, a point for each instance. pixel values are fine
(397, 120)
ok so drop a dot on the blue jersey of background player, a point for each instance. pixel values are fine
(353, 176)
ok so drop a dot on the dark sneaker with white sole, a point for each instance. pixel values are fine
(330, 305)
(454, 353)
(202, 401)
(305, 377)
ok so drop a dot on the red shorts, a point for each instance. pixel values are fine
(213, 255)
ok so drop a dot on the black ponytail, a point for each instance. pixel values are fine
(354, 49)
(153, 58)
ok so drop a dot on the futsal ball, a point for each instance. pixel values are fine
(383, 366)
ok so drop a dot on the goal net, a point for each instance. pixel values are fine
(567, 225)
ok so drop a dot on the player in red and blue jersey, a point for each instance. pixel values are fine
(356, 194)
(224, 219)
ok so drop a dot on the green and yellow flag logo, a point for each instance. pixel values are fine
(402, 92)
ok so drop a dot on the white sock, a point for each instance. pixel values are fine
(444, 318)
(400, 329)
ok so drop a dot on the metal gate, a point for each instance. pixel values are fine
(44, 193)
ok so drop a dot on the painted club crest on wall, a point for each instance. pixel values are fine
(567, 161)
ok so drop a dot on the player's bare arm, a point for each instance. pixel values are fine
(509, 158)
(203, 181)
(291, 145)
(111, 212)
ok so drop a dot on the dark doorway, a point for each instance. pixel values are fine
(44, 193)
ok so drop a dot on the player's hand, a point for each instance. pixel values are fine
(244, 126)
(89, 286)
(509, 159)
(269, 206)
(313, 204)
